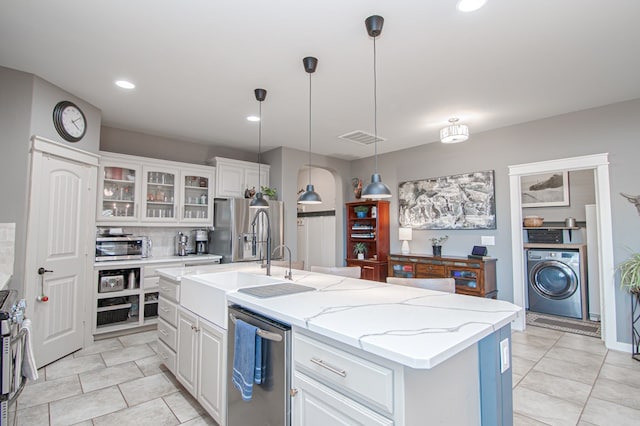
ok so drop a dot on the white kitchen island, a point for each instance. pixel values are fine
(372, 353)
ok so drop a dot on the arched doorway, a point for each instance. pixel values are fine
(316, 223)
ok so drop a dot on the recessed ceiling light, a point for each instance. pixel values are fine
(125, 84)
(470, 5)
(253, 118)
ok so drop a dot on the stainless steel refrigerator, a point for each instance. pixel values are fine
(232, 235)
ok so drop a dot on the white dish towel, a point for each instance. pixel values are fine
(29, 369)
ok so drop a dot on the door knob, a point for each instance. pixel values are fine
(42, 271)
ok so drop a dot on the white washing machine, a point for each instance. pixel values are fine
(555, 285)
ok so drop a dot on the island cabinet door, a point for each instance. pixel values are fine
(212, 366)
(187, 351)
(317, 405)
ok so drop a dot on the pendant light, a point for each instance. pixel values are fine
(310, 196)
(376, 189)
(258, 201)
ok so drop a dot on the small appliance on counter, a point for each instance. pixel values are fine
(114, 244)
(201, 238)
(181, 244)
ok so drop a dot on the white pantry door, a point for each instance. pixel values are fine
(61, 198)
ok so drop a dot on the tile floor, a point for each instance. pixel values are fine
(558, 379)
(118, 381)
(568, 379)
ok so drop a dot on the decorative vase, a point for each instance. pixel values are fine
(361, 215)
(437, 250)
(360, 256)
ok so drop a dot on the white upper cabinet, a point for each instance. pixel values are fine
(145, 191)
(196, 193)
(118, 191)
(233, 177)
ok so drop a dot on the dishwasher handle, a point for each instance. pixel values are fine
(274, 337)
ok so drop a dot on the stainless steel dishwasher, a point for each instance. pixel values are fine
(270, 403)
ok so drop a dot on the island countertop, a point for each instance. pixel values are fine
(415, 327)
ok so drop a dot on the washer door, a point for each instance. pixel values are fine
(553, 280)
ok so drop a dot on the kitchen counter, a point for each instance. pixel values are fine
(159, 259)
(415, 327)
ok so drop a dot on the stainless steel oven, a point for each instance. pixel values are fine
(121, 248)
(12, 340)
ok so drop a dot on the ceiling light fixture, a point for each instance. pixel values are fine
(253, 118)
(376, 189)
(258, 201)
(310, 196)
(454, 132)
(125, 84)
(470, 5)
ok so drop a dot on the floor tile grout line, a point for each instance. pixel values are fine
(593, 386)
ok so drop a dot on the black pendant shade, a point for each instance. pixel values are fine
(310, 196)
(258, 201)
(376, 189)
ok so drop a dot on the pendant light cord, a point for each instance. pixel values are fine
(309, 128)
(375, 107)
(259, 146)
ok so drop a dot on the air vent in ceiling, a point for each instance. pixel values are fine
(360, 137)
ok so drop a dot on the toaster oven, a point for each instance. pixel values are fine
(111, 283)
(121, 248)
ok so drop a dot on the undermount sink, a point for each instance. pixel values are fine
(206, 295)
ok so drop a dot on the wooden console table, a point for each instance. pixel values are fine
(475, 277)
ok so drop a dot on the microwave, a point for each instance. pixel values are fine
(121, 248)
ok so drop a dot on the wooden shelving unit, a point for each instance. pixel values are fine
(373, 231)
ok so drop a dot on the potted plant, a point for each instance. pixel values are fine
(269, 193)
(630, 278)
(630, 273)
(361, 211)
(436, 244)
(359, 249)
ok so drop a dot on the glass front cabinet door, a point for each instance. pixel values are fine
(160, 195)
(118, 199)
(196, 195)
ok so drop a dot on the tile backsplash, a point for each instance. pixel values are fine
(7, 247)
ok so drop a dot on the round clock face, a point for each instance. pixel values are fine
(69, 121)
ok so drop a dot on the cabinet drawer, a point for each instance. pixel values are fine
(167, 333)
(355, 376)
(167, 356)
(427, 271)
(151, 282)
(169, 290)
(168, 311)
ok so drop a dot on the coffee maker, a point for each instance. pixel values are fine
(201, 238)
(181, 244)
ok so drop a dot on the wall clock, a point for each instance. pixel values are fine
(69, 121)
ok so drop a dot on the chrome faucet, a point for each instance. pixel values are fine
(253, 231)
(288, 276)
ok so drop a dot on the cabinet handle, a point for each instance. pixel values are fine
(293, 392)
(164, 309)
(367, 267)
(321, 363)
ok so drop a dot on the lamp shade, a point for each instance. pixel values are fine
(258, 202)
(310, 196)
(376, 189)
(455, 132)
(405, 234)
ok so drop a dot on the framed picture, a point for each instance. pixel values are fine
(545, 189)
(465, 201)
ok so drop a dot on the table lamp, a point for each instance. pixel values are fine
(405, 235)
